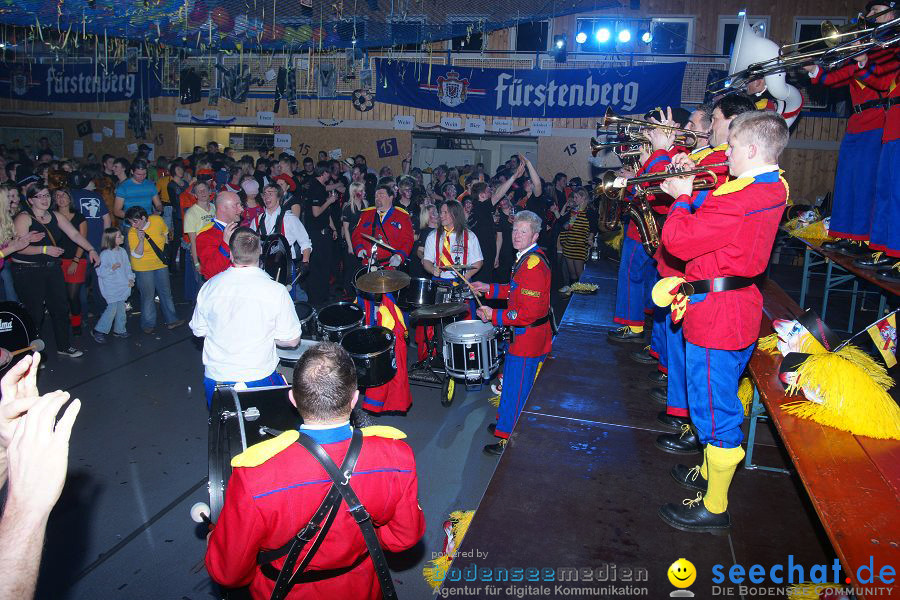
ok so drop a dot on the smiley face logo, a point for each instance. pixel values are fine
(682, 573)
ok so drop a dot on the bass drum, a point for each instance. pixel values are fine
(372, 351)
(16, 330)
(337, 319)
(419, 292)
(237, 420)
(275, 258)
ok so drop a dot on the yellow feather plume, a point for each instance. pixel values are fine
(745, 394)
(615, 242)
(814, 232)
(768, 344)
(810, 591)
(853, 388)
(494, 400)
(436, 570)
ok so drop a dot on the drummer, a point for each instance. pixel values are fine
(528, 314)
(389, 224)
(242, 314)
(450, 244)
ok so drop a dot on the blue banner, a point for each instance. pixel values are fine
(79, 82)
(537, 93)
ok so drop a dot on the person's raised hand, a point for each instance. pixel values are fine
(38, 455)
(683, 162)
(678, 186)
(19, 393)
(480, 287)
(229, 231)
(485, 313)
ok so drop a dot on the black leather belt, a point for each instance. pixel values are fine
(540, 321)
(885, 102)
(719, 284)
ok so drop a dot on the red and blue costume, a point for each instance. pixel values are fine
(276, 487)
(731, 233)
(212, 250)
(884, 236)
(394, 228)
(394, 395)
(857, 167)
(672, 266)
(528, 295)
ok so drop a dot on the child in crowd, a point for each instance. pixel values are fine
(116, 280)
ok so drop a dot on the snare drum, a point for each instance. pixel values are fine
(337, 319)
(288, 357)
(419, 292)
(451, 291)
(236, 422)
(372, 351)
(470, 350)
(307, 315)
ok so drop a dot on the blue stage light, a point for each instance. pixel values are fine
(603, 35)
(624, 36)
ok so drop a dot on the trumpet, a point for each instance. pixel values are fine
(613, 187)
(636, 128)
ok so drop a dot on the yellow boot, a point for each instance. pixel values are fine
(692, 478)
(707, 513)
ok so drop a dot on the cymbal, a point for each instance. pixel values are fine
(382, 281)
(460, 268)
(439, 311)
(380, 243)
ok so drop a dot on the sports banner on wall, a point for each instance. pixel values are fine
(536, 93)
(78, 82)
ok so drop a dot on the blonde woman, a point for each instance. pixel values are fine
(349, 219)
(9, 241)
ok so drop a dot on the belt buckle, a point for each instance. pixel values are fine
(687, 288)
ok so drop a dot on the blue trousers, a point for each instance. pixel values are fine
(151, 284)
(676, 386)
(209, 385)
(712, 385)
(9, 290)
(192, 278)
(636, 269)
(886, 237)
(658, 340)
(854, 185)
(113, 317)
(519, 373)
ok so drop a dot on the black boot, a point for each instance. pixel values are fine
(874, 261)
(689, 477)
(889, 274)
(691, 515)
(624, 335)
(685, 442)
(643, 356)
(659, 395)
(495, 449)
(836, 246)
(492, 428)
(672, 422)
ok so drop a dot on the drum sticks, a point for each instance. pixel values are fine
(463, 277)
(36, 346)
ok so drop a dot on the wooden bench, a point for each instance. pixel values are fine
(853, 482)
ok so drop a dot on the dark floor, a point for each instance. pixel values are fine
(139, 452)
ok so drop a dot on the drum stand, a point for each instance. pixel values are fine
(432, 372)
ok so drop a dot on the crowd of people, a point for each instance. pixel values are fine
(56, 216)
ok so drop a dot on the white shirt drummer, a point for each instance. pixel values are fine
(463, 249)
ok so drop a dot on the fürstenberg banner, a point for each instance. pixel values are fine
(538, 93)
(78, 82)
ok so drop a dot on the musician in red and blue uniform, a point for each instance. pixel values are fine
(212, 249)
(726, 244)
(276, 486)
(857, 167)
(676, 415)
(528, 313)
(388, 223)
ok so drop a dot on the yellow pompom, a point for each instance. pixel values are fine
(768, 344)
(616, 241)
(436, 570)
(814, 232)
(663, 292)
(745, 394)
(853, 387)
(494, 400)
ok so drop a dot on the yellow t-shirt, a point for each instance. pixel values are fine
(157, 231)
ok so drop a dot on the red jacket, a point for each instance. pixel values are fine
(730, 234)
(885, 69)
(267, 504)
(212, 251)
(860, 91)
(672, 266)
(395, 229)
(658, 162)
(528, 293)
(395, 395)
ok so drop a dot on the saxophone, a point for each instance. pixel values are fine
(644, 219)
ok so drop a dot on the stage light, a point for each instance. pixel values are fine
(742, 13)
(646, 37)
(602, 35)
(624, 36)
(559, 51)
(581, 37)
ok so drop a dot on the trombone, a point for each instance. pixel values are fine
(613, 187)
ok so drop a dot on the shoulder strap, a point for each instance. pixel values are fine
(162, 258)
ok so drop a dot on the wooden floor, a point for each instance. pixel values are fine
(581, 481)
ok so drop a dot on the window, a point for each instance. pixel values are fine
(811, 29)
(532, 37)
(728, 27)
(468, 35)
(672, 35)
